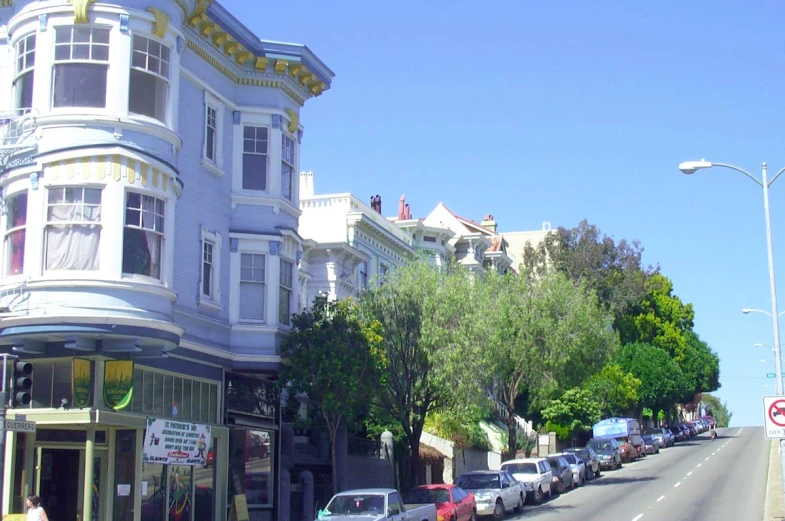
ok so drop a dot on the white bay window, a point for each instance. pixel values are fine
(143, 235)
(73, 228)
(81, 64)
(255, 141)
(23, 78)
(252, 287)
(148, 91)
(285, 292)
(287, 167)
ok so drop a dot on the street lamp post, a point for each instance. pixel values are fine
(690, 167)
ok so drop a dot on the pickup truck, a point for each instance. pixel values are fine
(374, 504)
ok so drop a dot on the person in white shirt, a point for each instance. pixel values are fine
(35, 512)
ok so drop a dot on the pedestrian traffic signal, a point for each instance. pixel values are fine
(23, 384)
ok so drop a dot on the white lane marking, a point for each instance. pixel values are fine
(689, 473)
(660, 498)
(699, 464)
(707, 458)
(637, 517)
(713, 453)
(677, 484)
(739, 431)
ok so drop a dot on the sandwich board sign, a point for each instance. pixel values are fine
(774, 416)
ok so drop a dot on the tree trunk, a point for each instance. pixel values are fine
(512, 435)
(332, 456)
(414, 460)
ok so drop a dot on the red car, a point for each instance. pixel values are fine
(452, 502)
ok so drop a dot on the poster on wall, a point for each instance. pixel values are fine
(118, 383)
(175, 443)
(80, 380)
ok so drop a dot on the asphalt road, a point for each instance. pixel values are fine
(698, 480)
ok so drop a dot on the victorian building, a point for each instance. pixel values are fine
(150, 256)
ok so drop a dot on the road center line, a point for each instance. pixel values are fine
(707, 458)
(689, 473)
(660, 498)
(713, 453)
(637, 517)
(677, 484)
(699, 464)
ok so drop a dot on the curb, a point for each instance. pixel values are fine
(773, 503)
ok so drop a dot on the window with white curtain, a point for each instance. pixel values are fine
(287, 167)
(252, 286)
(23, 79)
(143, 234)
(285, 292)
(149, 83)
(15, 233)
(80, 67)
(73, 228)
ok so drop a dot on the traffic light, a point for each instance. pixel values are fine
(22, 384)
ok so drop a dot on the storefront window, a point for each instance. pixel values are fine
(153, 491)
(180, 487)
(124, 478)
(166, 396)
(204, 477)
(251, 465)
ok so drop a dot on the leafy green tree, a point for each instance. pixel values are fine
(613, 270)
(535, 335)
(422, 312)
(461, 425)
(700, 366)
(718, 409)
(576, 409)
(333, 359)
(660, 376)
(615, 391)
(660, 319)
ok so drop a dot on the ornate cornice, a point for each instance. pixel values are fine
(161, 22)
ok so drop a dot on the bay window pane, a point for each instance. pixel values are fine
(80, 85)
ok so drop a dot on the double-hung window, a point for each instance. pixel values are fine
(23, 77)
(255, 140)
(252, 286)
(208, 268)
(211, 134)
(287, 167)
(149, 84)
(81, 65)
(15, 227)
(362, 275)
(285, 292)
(143, 234)
(73, 228)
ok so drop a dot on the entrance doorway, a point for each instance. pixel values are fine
(60, 480)
(58, 487)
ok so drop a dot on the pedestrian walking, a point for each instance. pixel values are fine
(35, 512)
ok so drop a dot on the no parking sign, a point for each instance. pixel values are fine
(774, 416)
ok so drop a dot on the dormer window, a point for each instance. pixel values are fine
(149, 87)
(80, 67)
(23, 79)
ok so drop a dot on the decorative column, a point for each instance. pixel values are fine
(89, 474)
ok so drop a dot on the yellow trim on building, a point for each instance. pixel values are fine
(80, 10)
(161, 22)
(115, 167)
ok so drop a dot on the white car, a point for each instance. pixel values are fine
(535, 474)
(577, 465)
(495, 491)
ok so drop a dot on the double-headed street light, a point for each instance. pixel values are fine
(690, 167)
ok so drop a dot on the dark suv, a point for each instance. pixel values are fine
(608, 452)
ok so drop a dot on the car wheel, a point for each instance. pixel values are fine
(519, 506)
(498, 510)
(538, 495)
(473, 516)
(560, 488)
(597, 472)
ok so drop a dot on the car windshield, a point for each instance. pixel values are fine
(602, 445)
(428, 495)
(554, 463)
(570, 458)
(356, 504)
(521, 468)
(478, 481)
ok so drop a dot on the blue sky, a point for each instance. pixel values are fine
(560, 111)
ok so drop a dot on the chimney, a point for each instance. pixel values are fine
(488, 223)
(378, 203)
(306, 184)
(401, 207)
(407, 212)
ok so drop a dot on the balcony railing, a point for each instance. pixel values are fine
(17, 138)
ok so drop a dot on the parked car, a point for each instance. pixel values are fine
(590, 459)
(562, 474)
(711, 420)
(535, 474)
(628, 452)
(375, 504)
(495, 491)
(608, 452)
(651, 445)
(662, 435)
(678, 433)
(577, 466)
(452, 502)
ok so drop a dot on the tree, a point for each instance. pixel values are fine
(334, 360)
(576, 410)
(700, 366)
(660, 376)
(421, 310)
(615, 391)
(613, 270)
(660, 319)
(535, 335)
(718, 409)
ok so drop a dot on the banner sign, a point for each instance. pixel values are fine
(173, 442)
(81, 382)
(118, 383)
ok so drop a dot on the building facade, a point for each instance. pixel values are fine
(150, 253)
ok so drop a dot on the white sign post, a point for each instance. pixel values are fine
(774, 416)
(175, 442)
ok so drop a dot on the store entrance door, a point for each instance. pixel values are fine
(58, 487)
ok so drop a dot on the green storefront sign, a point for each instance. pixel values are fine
(81, 382)
(118, 383)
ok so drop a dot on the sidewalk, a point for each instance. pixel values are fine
(774, 503)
